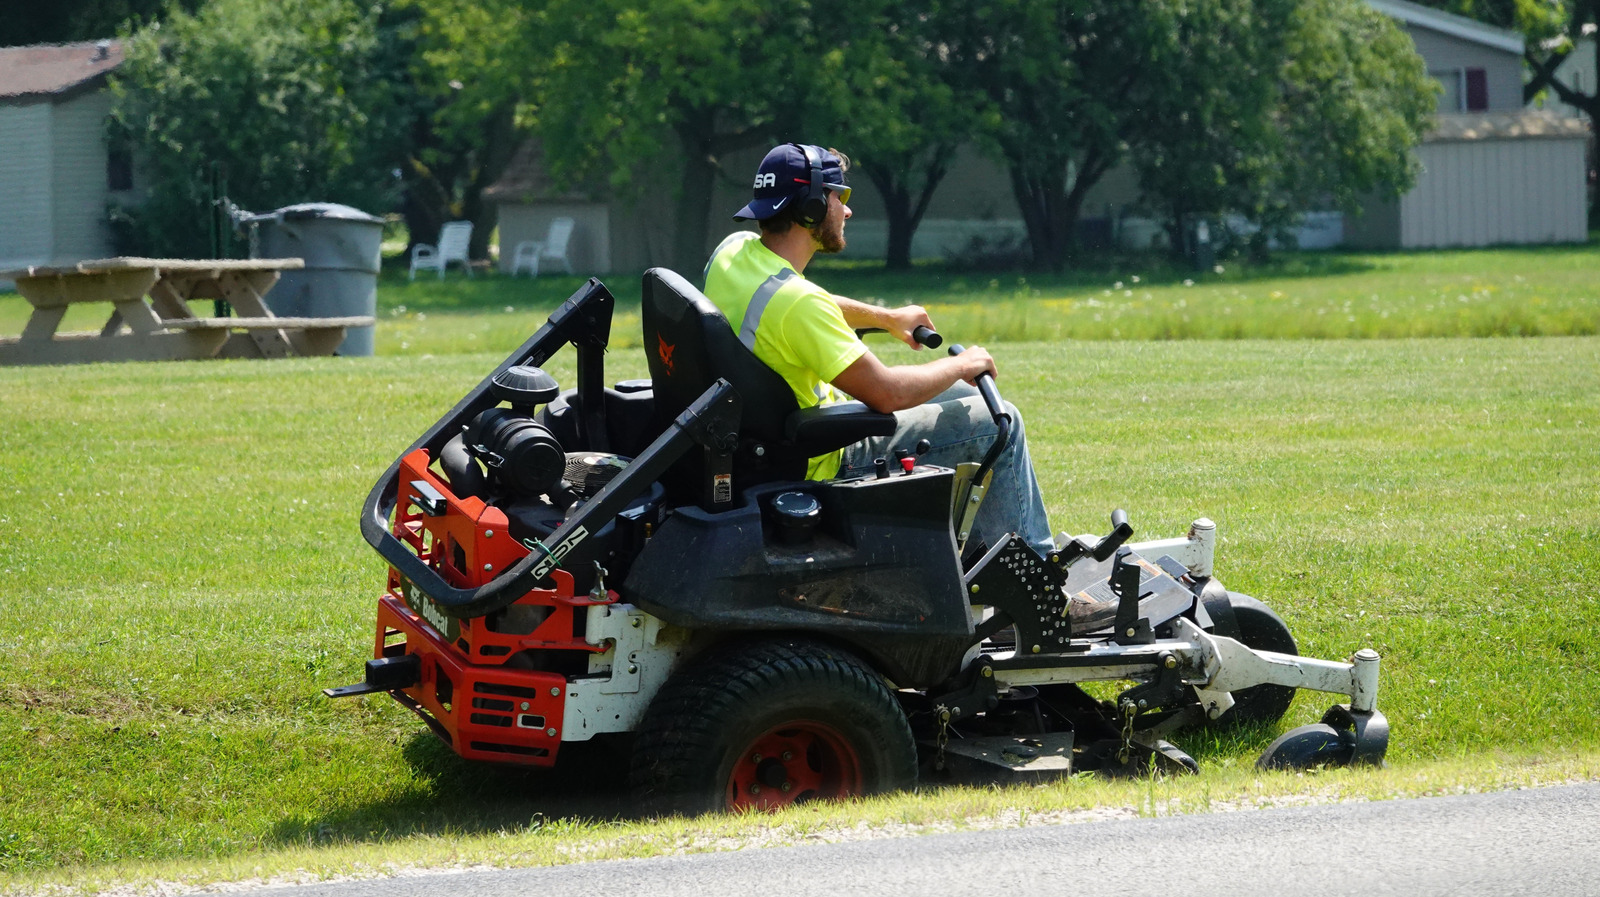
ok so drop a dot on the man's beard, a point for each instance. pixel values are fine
(829, 232)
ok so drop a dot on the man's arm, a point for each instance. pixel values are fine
(890, 389)
(898, 321)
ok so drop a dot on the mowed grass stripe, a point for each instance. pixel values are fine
(183, 569)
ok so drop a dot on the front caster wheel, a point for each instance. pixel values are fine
(770, 724)
(1308, 747)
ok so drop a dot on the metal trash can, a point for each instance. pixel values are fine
(340, 246)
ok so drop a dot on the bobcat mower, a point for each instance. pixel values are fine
(644, 565)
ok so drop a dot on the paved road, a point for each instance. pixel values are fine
(1543, 842)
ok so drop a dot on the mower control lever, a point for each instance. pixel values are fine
(1121, 529)
(927, 336)
(997, 410)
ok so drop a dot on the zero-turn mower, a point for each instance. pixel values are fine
(645, 564)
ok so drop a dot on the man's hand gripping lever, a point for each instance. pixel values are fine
(972, 481)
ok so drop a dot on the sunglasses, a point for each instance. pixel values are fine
(842, 190)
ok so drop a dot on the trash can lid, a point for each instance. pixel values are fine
(305, 210)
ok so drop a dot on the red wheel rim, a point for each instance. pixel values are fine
(794, 762)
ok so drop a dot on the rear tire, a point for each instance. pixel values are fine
(1260, 629)
(769, 724)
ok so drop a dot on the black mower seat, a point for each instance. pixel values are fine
(690, 345)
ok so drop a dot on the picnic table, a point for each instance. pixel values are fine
(151, 319)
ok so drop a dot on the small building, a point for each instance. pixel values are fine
(57, 174)
(1490, 178)
(1492, 170)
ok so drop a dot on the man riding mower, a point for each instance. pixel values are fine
(647, 562)
(771, 596)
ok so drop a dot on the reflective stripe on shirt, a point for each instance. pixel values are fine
(758, 304)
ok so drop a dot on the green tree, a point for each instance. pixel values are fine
(1554, 31)
(1282, 106)
(648, 98)
(471, 74)
(302, 100)
(64, 21)
(1071, 82)
(893, 99)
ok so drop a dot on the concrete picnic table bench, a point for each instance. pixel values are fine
(151, 319)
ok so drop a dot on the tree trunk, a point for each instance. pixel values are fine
(897, 205)
(1594, 139)
(425, 206)
(499, 142)
(692, 206)
(1051, 216)
(905, 216)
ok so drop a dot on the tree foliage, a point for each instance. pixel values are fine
(1261, 107)
(1285, 106)
(892, 95)
(64, 21)
(648, 98)
(301, 100)
(469, 70)
(1069, 81)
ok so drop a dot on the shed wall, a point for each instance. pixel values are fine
(590, 249)
(78, 178)
(26, 228)
(1496, 191)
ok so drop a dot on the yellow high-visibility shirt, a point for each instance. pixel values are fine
(789, 322)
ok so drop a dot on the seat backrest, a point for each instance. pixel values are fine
(689, 344)
(555, 244)
(453, 239)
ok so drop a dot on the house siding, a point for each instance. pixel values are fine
(78, 173)
(26, 228)
(1445, 54)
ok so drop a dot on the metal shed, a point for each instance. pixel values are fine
(1486, 179)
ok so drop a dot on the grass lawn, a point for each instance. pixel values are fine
(183, 569)
(1543, 291)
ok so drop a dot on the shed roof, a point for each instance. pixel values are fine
(527, 179)
(55, 71)
(1451, 24)
(1526, 124)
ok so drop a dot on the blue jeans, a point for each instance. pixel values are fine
(958, 427)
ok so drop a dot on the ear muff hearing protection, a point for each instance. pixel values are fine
(813, 206)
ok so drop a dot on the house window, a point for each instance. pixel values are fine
(1476, 82)
(119, 170)
(1463, 90)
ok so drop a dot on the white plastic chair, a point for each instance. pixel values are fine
(526, 256)
(454, 238)
(529, 253)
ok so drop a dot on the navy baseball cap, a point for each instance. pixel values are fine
(784, 175)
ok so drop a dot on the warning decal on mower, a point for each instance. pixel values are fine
(553, 559)
(722, 488)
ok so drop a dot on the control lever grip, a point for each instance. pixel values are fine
(986, 388)
(1121, 529)
(927, 336)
